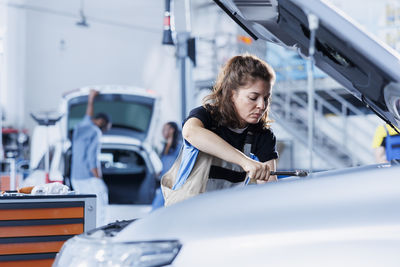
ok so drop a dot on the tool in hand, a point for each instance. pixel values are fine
(300, 173)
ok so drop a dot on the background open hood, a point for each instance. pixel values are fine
(366, 67)
(132, 110)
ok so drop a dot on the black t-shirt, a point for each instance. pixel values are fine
(264, 142)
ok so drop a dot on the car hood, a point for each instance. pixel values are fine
(324, 201)
(133, 111)
(366, 67)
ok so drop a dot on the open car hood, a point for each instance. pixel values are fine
(133, 111)
(366, 67)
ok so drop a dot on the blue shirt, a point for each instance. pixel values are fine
(167, 161)
(85, 149)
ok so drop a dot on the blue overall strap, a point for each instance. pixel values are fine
(189, 156)
(247, 151)
(392, 146)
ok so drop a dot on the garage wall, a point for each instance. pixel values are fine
(122, 45)
(12, 84)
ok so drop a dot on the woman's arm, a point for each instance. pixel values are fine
(205, 140)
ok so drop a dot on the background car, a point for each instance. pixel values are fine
(129, 162)
(346, 217)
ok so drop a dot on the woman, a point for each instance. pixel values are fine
(170, 152)
(172, 145)
(237, 108)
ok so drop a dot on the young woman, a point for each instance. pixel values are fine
(172, 146)
(236, 109)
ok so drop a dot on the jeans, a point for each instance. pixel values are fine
(94, 185)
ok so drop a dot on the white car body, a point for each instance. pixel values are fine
(344, 218)
(58, 137)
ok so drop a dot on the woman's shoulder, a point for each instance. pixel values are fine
(202, 113)
(199, 110)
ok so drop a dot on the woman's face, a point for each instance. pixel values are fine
(167, 131)
(251, 101)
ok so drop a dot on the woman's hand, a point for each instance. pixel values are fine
(259, 172)
(256, 170)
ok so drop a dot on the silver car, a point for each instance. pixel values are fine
(347, 217)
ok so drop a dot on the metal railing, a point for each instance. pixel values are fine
(333, 139)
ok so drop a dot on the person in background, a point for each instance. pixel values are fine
(173, 140)
(386, 144)
(237, 108)
(86, 176)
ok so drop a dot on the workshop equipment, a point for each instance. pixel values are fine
(33, 228)
(10, 178)
(46, 120)
(299, 173)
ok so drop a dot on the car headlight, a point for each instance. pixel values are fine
(85, 251)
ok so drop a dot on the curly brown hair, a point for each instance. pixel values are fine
(239, 71)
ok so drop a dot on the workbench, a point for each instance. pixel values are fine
(33, 228)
